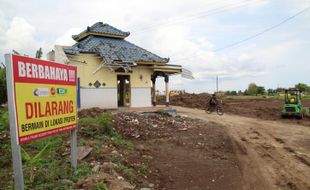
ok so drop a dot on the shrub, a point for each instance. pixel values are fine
(101, 125)
(4, 120)
(3, 88)
(105, 123)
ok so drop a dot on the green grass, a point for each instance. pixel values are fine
(276, 97)
(4, 119)
(144, 169)
(251, 97)
(161, 112)
(47, 173)
(129, 173)
(118, 140)
(306, 97)
(100, 128)
(53, 168)
(96, 126)
(101, 186)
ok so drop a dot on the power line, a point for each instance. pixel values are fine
(138, 27)
(218, 10)
(263, 31)
(214, 11)
(252, 36)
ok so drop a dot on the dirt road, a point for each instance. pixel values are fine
(263, 108)
(271, 154)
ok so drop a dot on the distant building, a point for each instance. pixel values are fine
(112, 71)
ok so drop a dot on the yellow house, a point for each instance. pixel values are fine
(112, 71)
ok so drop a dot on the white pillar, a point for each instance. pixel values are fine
(167, 90)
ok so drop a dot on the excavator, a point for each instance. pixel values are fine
(293, 107)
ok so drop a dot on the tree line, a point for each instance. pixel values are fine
(255, 90)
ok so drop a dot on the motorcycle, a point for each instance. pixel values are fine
(217, 107)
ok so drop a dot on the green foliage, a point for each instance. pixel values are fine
(86, 121)
(105, 121)
(306, 97)
(231, 93)
(261, 90)
(128, 173)
(117, 140)
(101, 186)
(252, 89)
(303, 87)
(3, 88)
(4, 120)
(161, 112)
(84, 170)
(32, 163)
(39, 53)
(47, 161)
(87, 126)
(144, 169)
(38, 157)
(5, 148)
(271, 92)
(100, 125)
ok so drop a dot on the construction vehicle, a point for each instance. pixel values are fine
(292, 105)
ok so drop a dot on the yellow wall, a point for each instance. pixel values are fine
(135, 79)
(104, 75)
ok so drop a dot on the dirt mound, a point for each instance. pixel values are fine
(269, 109)
(187, 100)
(150, 125)
(92, 112)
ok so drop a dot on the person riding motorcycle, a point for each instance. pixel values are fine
(213, 100)
(214, 104)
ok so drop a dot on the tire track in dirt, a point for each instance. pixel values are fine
(272, 155)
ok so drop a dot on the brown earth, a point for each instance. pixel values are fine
(269, 109)
(194, 150)
(182, 153)
(170, 152)
(271, 154)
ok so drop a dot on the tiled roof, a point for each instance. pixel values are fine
(114, 50)
(102, 30)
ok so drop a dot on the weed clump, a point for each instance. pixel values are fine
(101, 186)
(93, 126)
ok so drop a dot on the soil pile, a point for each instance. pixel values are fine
(269, 109)
(150, 125)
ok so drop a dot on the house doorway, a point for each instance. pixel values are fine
(123, 90)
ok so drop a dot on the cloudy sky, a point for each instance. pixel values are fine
(190, 33)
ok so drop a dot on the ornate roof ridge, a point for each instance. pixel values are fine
(101, 29)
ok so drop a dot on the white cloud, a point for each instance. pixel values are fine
(66, 39)
(197, 55)
(20, 36)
